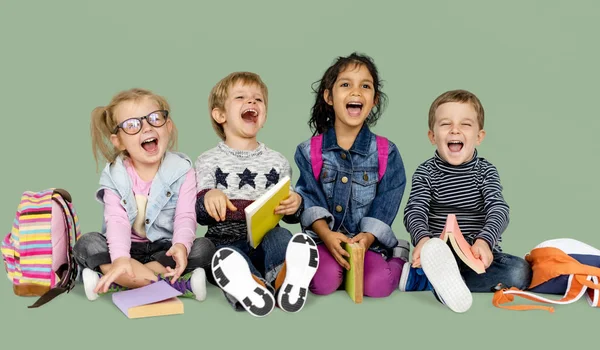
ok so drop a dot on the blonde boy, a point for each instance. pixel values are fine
(229, 178)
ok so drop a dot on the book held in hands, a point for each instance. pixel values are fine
(355, 276)
(260, 215)
(452, 234)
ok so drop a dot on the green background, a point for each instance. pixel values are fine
(534, 65)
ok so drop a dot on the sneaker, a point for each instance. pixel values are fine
(90, 281)
(442, 271)
(413, 279)
(191, 285)
(401, 250)
(233, 276)
(302, 260)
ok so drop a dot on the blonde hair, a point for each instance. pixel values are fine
(462, 96)
(219, 94)
(104, 123)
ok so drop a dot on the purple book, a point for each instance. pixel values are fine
(150, 294)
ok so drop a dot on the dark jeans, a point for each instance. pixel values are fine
(91, 251)
(264, 262)
(507, 269)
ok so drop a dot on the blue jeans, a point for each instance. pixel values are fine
(507, 269)
(264, 262)
(267, 259)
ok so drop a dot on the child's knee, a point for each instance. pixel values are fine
(327, 279)
(91, 251)
(88, 245)
(278, 235)
(380, 283)
(276, 241)
(201, 252)
(518, 273)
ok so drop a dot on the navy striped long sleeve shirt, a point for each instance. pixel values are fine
(472, 191)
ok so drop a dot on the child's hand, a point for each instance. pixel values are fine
(364, 238)
(481, 250)
(217, 203)
(333, 242)
(119, 266)
(179, 254)
(289, 205)
(416, 255)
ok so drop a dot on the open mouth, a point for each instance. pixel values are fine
(250, 115)
(354, 108)
(150, 145)
(455, 146)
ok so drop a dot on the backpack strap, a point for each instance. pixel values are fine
(68, 276)
(506, 295)
(574, 292)
(382, 154)
(316, 155)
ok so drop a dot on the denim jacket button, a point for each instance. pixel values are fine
(168, 194)
(124, 202)
(147, 221)
(343, 155)
(344, 179)
(324, 174)
(339, 208)
(366, 177)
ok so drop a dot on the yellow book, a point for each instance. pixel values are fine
(355, 276)
(172, 306)
(260, 217)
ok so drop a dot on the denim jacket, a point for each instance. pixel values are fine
(164, 192)
(348, 195)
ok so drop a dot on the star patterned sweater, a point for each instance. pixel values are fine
(243, 176)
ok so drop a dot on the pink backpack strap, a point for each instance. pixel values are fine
(382, 154)
(316, 156)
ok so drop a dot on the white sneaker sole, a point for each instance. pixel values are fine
(442, 271)
(404, 276)
(90, 281)
(233, 275)
(302, 261)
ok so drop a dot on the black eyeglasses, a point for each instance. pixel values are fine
(132, 126)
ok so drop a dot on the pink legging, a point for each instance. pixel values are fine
(381, 276)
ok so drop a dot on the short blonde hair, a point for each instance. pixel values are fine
(104, 122)
(462, 96)
(219, 94)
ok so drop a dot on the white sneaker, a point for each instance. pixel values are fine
(90, 281)
(442, 271)
(301, 262)
(233, 275)
(198, 284)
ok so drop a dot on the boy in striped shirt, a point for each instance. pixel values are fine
(457, 181)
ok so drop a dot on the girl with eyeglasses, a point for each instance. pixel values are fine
(148, 193)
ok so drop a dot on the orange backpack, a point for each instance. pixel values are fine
(560, 266)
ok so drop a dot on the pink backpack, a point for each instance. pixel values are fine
(38, 252)
(316, 155)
